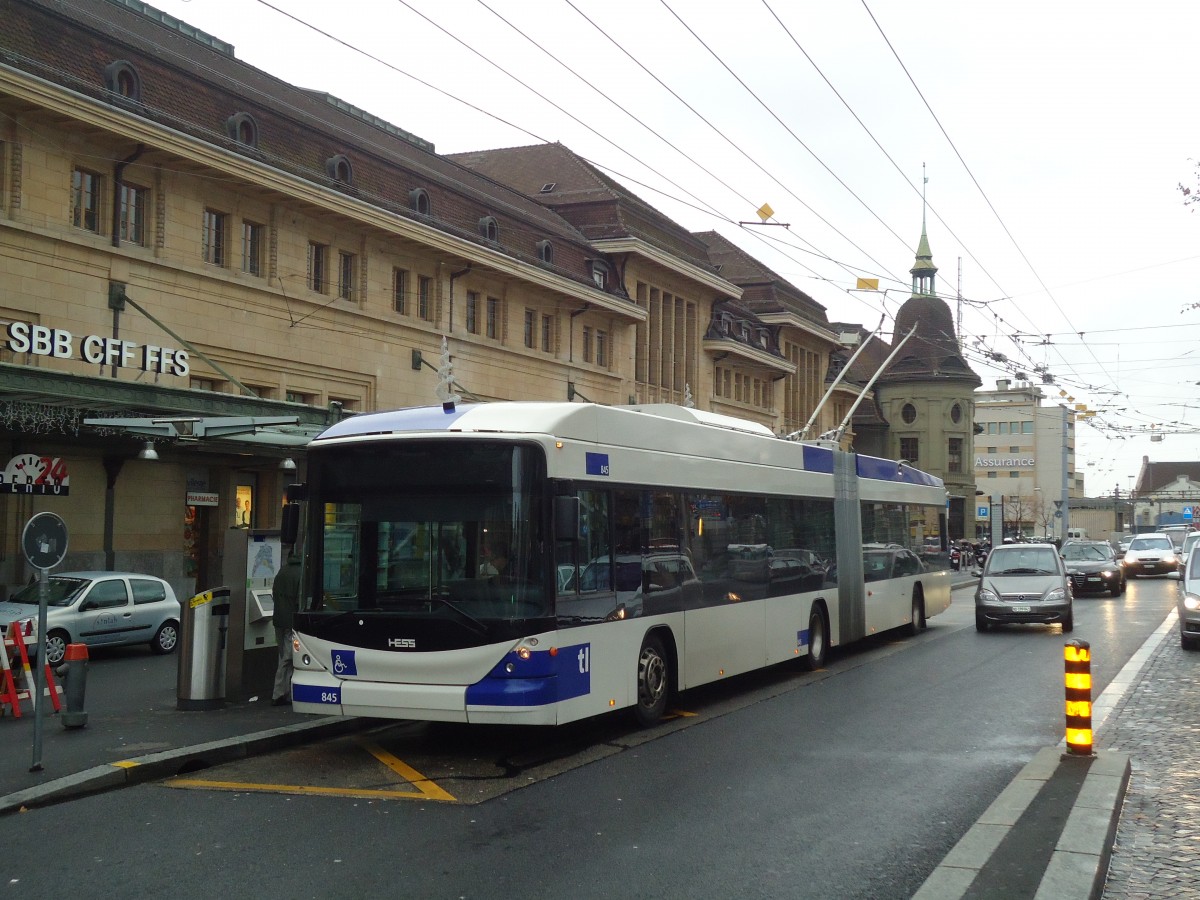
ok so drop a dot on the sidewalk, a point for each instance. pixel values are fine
(1121, 824)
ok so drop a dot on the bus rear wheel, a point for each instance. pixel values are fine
(818, 640)
(653, 683)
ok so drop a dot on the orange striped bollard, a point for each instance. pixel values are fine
(1077, 659)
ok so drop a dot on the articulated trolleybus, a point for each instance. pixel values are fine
(540, 563)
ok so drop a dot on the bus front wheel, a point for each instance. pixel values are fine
(653, 682)
(818, 640)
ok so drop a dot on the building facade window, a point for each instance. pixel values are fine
(122, 79)
(530, 318)
(601, 348)
(418, 201)
(299, 397)
(909, 449)
(215, 241)
(318, 267)
(252, 248)
(133, 214)
(909, 414)
(425, 297)
(493, 318)
(242, 128)
(346, 263)
(954, 454)
(85, 200)
(956, 414)
(665, 347)
(489, 228)
(399, 291)
(472, 312)
(547, 333)
(587, 343)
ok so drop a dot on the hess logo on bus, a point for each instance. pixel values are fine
(402, 643)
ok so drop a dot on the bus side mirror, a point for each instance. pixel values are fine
(290, 525)
(566, 518)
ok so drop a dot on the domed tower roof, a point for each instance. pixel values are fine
(933, 349)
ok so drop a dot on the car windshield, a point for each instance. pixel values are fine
(61, 591)
(1022, 561)
(1085, 553)
(1159, 543)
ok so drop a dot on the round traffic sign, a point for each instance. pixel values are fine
(44, 540)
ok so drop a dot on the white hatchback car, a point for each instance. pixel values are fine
(98, 609)
(1189, 605)
(1151, 554)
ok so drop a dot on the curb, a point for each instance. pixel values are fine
(1079, 862)
(167, 763)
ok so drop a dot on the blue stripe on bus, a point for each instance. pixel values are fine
(540, 680)
(818, 459)
(890, 470)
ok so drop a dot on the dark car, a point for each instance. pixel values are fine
(1093, 568)
(1024, 583)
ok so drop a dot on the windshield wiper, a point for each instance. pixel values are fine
(475, 624)
(1022, 571)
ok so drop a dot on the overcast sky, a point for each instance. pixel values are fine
(1053, 134)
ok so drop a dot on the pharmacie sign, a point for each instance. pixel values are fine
(1005, 462)
(98, 349)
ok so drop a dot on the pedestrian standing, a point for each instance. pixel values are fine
(285, 594)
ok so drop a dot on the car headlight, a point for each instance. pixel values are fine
(1191, 601)
(1056, 594)
(986, 596)
(1107, 573)
(1130, 559)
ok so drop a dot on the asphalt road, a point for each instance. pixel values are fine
(853, 782)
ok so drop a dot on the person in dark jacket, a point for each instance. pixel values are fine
(285, 593)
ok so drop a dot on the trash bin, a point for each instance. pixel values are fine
(202, 656)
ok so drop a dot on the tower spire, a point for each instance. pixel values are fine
(923, 270)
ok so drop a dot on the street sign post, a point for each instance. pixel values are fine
(44, 541)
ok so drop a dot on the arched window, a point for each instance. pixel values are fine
(545, 251)
(418, 201)
(489, 229)
(339, 169)
(122, 79)
(242, 128)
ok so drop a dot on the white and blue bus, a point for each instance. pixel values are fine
(540, 563)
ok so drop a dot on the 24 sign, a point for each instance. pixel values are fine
(28, 473)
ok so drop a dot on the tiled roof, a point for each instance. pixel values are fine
(764, 290)
(194, 86)
(598, 205)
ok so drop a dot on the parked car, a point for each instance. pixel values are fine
(1150, 554)
(1093, 567)
(1188, 605)
(1024, 583)
(1185, 554)
(100, 609)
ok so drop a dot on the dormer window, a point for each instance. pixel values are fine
(746, 332)
(724, 324)
(599, 273)
(489, 228)
(418, 201)
(339, 169)
(545, 251)
(242, 128)
(122, 79)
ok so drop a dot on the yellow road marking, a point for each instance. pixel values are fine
(361, 793)
(127, 764)
(425, 789)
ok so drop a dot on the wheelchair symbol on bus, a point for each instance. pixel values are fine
(343, 663)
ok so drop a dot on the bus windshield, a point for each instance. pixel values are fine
(451, 529)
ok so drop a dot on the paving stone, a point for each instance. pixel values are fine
(1156, 853)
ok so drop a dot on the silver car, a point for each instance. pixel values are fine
(1189, 605)
(1024, 583)
(100, 609)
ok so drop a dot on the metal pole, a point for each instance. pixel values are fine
(39, 669)
(1066, 481)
